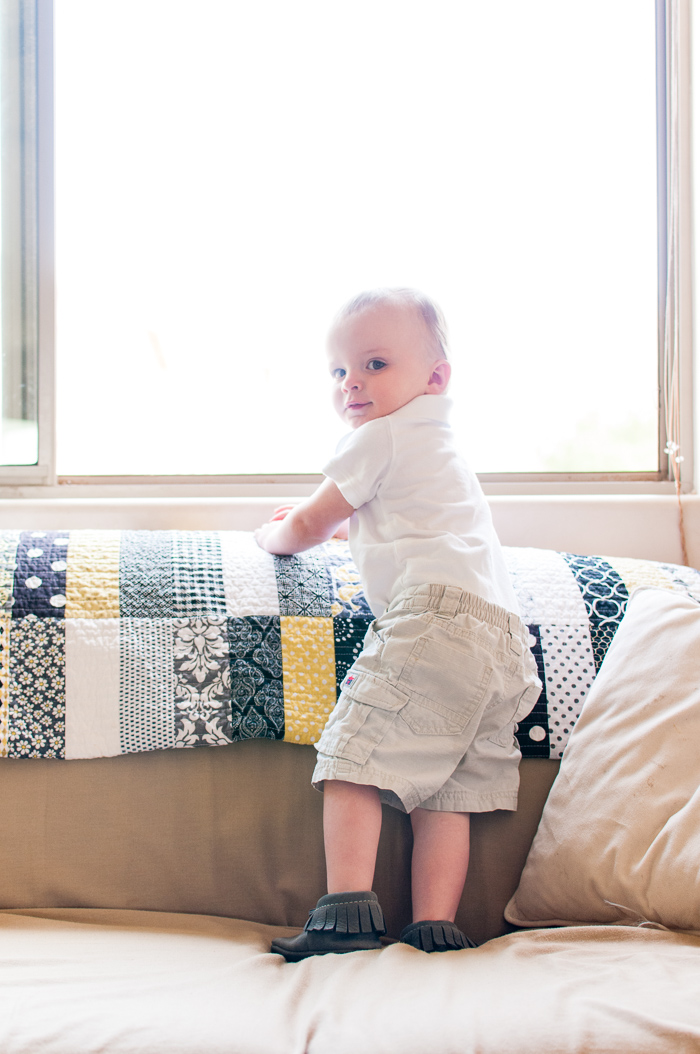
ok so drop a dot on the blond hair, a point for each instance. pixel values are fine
(429, 311)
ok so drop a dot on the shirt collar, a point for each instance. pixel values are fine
(430, 407)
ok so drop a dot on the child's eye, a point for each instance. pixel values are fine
(338, 374)
(376, 364)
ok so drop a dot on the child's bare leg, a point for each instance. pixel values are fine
(439, 863)
(349, 918)
(352, 820)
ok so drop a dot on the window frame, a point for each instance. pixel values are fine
(42, 481)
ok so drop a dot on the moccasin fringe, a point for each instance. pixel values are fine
(363, 915)
(435, 936)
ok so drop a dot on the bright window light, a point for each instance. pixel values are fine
(229, 173)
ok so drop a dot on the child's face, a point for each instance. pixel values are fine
(379, 361)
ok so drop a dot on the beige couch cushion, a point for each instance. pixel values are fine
(230, 831)
(86, 982)
(619, 839)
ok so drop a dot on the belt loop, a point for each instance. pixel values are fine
(516, 635)
(449, 602)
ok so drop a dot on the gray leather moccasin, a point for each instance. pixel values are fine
(340, 922)
(435, 935)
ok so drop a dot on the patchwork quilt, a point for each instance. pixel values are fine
(113, 642)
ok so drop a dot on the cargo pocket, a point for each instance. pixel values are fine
(365, 711)
(447, 686)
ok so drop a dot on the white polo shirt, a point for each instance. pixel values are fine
(421, 516)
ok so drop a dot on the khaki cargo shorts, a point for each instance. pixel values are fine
(427, 713)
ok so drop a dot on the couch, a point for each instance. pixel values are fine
(139, 892)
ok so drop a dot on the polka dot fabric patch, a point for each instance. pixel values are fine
(569, 671)
(120, 641)
(39, 586)
(573, 606)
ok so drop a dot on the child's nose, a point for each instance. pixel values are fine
(351, 380)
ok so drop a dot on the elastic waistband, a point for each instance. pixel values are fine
(451, 601)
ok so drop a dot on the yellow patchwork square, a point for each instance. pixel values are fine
(636, 573)
(308, 672)
(92, 575)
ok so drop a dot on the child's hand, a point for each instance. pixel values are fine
(294, 528)
(281, 512)
(262, 534)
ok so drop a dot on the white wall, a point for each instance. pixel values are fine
(640, 526)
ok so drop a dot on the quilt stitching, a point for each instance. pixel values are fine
(146, 684)
(198, 574)
(8, 554)
(37, 705)
(146, 575)
(257, 693)
(203, 686)
(304, 584)
(184, 639)
(605, 596)
(91, 560)
(532, 732)
(5, 624)
(40, 575)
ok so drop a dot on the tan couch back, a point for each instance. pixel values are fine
(233, 831)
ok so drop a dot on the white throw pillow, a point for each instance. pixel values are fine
(619, 838)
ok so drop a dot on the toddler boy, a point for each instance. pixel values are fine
(426, 716)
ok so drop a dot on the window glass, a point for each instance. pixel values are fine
(229, 173)
(18, 317)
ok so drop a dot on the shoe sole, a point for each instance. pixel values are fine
(295, 957)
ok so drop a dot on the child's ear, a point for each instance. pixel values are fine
(439, 378)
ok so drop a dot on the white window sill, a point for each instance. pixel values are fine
(644, 526)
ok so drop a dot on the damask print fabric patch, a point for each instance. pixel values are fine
(257, 692)
(203, 686)
(114, 642)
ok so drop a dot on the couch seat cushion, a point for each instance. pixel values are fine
(81, 980)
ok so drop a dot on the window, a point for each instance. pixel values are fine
(227, 174)
(19, 433)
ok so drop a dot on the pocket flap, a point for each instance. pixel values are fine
(364, 688)
(527, 701)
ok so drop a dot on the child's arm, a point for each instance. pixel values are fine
(311, 522)
(342, 531)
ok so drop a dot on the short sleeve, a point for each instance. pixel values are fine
(361, 462)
